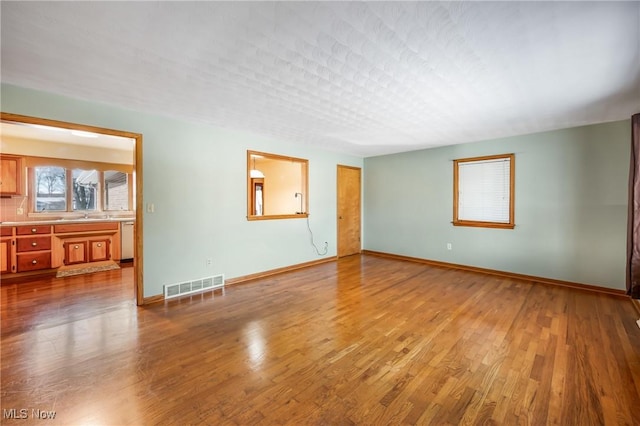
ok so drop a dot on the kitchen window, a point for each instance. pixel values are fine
(85, 189)
(50, 189)
(116, 190)
(483, 191)
(61, 186)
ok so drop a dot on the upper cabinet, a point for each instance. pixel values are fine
(10, 175)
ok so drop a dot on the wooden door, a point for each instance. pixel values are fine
(349, 210)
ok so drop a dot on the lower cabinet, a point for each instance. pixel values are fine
(75, 252)
(33, 248)
(93, 250)
(42, 248)
(99, 250)
(5, 256)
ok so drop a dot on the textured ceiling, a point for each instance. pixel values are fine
(362, 78)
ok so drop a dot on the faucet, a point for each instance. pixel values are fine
(86, 215)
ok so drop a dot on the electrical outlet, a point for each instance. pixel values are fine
(151, 208)
(449, 246)
(20, 210)
(209, 262)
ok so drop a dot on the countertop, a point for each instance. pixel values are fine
(61, 221)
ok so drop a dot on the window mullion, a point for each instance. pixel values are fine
(69, 176)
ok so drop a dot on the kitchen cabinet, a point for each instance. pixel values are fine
(75, 252)
(86, 250)
(99, 250)
(86, 242)
(33, 247)
(6, 243)
(10, 175)
(41, 248)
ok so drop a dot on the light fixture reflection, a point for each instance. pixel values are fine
(255, 344)
(255, 173)
(84, 134)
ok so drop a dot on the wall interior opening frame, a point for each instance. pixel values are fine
(137, 182)
(277, 186)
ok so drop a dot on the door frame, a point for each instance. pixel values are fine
(359, 169)
(137, 188)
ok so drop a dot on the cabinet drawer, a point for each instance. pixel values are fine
(33, 244)
(6, 232)
(33, 229)
(85, 227)
(33, 262)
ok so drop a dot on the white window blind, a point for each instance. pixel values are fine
(484, 190)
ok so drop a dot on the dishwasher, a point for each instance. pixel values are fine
(126, 241)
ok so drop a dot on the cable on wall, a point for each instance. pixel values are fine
(326, 244)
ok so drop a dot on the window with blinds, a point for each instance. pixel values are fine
(483, 191)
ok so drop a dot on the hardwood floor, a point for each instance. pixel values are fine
(364, 340)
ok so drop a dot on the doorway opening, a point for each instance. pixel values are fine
(56, 131)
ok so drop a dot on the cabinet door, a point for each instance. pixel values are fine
(75, 252)
(10, 175)
(99, 250)
(5, 255)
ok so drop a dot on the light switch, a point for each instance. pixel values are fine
(151, 208)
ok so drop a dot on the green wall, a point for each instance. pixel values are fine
(195, 176)
(571, 199)
(570, 206)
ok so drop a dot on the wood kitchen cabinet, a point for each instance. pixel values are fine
(83, 251)
(6, 257)
(10, 175)
(99, 250)
(42, 248)
(33, 247)
(87, 242)
(75, 252)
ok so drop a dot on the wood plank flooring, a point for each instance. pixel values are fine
(364, 340)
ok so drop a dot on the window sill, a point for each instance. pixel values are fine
(107, 214)
(484, 224)
(279, 216)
